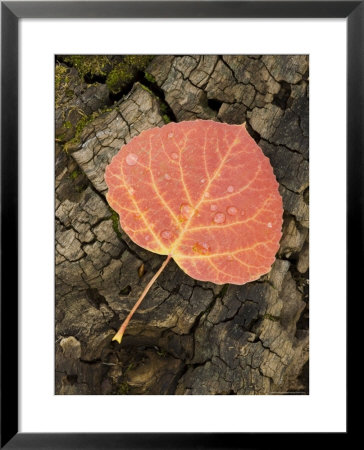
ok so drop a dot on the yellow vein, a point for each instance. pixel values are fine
(180, 169)
(216, 255)
(159, 195)
(178, 240)
(142, 215)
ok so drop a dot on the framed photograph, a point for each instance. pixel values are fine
(180, 191)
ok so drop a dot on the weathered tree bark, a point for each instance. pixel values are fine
(187, 337)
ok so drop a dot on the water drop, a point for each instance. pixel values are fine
(202, 180)
(174, 156)
(230, 258)
(202, 249)
(213, 207)
(167, 177)
(231, 210)
(207, 195)
(219, 218)
(269, 224)
(166, 234)
(186, 211)
(170, 135)
(131, 190)
(146, 238)
(230, 188)
(131, 159)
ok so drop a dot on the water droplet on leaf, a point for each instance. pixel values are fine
(219, 218)
(213, 207)
(230, 188)
(202, 180)
(231, 210)
(186, 211)
(202, 249)
(166, 234)
(174, 156)
(269, 225)
(170, 135)
(131, 159)
(167, 177)
(207, 195)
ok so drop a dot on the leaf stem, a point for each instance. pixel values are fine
(119, 335)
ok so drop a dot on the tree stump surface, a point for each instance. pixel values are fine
(187, 337)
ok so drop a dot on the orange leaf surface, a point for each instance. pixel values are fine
(203, 193)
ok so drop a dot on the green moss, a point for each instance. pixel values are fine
(146, 89)
(75, 174)
(166, 118)
(163, 108)
(61, 81)
(89, 64)
(106, 109)
(61, 76)
(81, 124)
(67, 124)
(164, 111)
(125, 71)
(148, 76)
(61, 137)
(119, 77)
(115, 223)
(123, 388)
(270, 317)
(140, 62)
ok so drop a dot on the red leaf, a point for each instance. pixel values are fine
(203, 193)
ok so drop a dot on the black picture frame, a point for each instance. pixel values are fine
(11, 12)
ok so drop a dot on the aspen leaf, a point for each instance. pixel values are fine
(202, 193)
